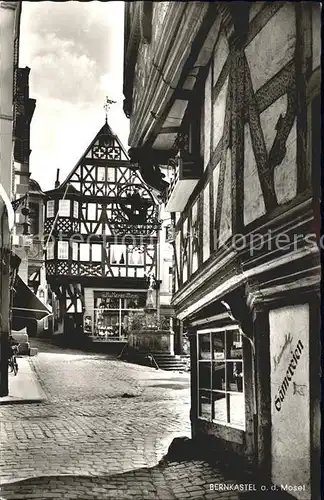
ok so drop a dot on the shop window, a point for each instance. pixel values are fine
(220, 377)
(64, 208)
(50, 251)
(63, 250)
(50, 209)
(101, 174)
(113, 313)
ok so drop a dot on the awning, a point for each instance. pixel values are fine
(26, 306)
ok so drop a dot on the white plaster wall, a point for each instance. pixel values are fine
(219, 114)
(206, 231)
(290, 424)
(215, 183)
(253, 198)
(273, 46)
(178, 254)
(207, 118)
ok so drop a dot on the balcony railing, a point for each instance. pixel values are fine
(186, 176)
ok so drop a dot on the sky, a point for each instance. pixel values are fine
(75, 52)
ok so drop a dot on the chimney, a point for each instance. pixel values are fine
(57, 182)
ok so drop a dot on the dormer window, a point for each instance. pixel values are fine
(64, 208)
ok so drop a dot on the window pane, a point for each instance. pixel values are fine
(50, 251)
(75, 209)
(204, 404)
(50, 208)
(101, 174)
(234, 344)
(204, 375)
(64, 208)
(84, 251)
(219, 406)
(236, 409)
(92, 211)
(63, 250)
(135, 257)
(96, 253)
(234, 376)
(219, 376)
(218, 345)
(117, 254)
(204, 346)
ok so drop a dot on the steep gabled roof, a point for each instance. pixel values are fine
(106, 141)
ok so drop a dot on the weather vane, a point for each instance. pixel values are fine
(107, 105)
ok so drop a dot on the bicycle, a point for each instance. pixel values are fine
(12, 361)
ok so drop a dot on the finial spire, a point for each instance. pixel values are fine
(107, 105)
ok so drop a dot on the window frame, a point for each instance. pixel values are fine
(225, 391)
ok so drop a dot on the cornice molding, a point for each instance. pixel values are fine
(239, 278)
(6, 117)
(266, 295)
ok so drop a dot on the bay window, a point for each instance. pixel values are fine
(221, 376)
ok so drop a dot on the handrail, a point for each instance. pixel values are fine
(154, 360)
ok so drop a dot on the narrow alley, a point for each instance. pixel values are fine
(100, 433)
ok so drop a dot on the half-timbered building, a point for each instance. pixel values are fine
(102, 227)
(226, 96)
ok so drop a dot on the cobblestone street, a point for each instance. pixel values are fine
(101, 432)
